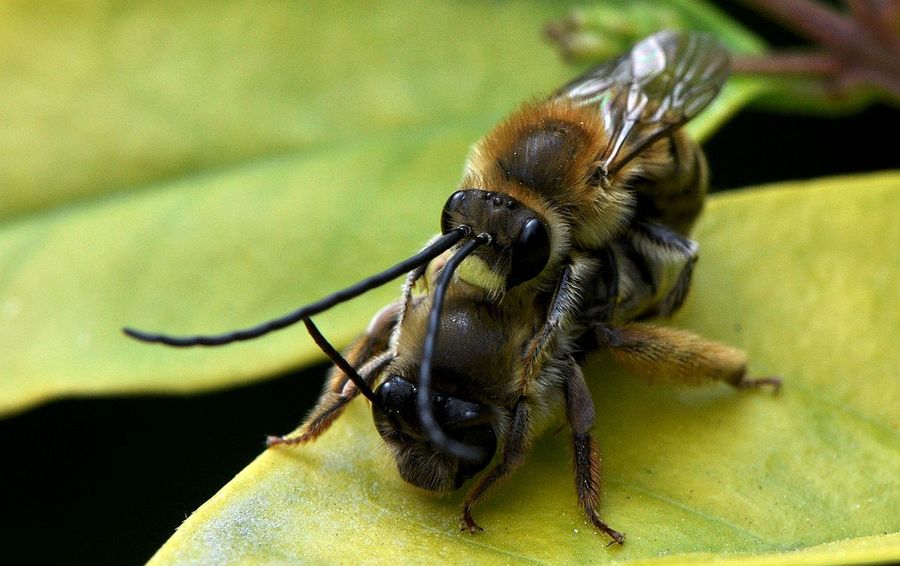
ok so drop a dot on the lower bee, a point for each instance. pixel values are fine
(569, 230)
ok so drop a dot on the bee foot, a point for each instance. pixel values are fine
(467, 523)
(284, 440)
(756, 383)
(615, 535)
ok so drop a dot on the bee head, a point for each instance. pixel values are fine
(419, 463)
(520, 242)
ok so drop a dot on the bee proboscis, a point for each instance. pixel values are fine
(569, 229)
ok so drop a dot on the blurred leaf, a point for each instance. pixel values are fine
(592, 32)
(192, 168)
(804, 276)
(100, 98)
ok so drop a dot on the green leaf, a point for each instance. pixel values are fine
(197, 169)
(804, 277)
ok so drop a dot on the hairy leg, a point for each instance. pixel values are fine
(369, 354)
(673, 355)
(515, 447)
(580, 414)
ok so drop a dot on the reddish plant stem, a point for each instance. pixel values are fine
(880, 17)
(810, 63)
(860, 48)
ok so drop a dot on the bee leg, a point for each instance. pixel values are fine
(566, 301)
(332, 402)
(580, 414)
(370, 354)
(677, 356)
(515, 447)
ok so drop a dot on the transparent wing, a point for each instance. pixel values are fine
(664, 81)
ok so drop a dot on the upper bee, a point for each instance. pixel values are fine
(560, 173)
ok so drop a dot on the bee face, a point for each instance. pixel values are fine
(548, 158)
(520, 242)
(469, 400)
(419, 463)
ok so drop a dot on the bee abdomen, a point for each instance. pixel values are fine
(673, 189)
(644, 273)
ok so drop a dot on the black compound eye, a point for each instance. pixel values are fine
(530, 252)
(452, 205)
(397, 411)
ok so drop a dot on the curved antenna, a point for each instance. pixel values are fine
(439, 246)
(436, 435)
(342, 364)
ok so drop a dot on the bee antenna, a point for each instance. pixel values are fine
(436, 248)
(436, 435)
(341, 363)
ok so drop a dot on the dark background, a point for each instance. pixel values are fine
(108, 480)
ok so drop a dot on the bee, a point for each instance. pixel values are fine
(569, 230)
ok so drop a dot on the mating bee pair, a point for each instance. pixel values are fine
(569, 230)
